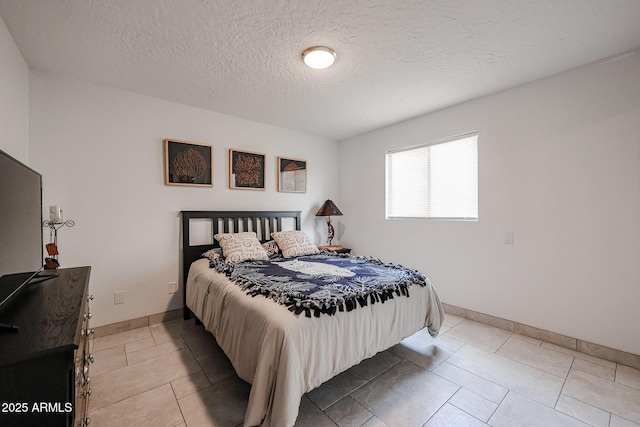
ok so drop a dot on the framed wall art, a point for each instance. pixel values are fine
(292, 175)
(188, 163)
(246, 170)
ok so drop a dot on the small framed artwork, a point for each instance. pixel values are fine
(292, 175)
(246, 170)
(188, 163)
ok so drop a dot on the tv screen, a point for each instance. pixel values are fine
(20, 217)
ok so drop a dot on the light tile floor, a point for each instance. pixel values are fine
(174, 374)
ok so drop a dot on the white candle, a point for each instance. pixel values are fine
(55, 213)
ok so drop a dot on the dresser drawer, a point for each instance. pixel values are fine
(44, 366)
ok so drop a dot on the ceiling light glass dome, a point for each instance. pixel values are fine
(319, 57)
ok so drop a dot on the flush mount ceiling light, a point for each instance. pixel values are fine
(319, 57)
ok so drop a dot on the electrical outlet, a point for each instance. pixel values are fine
(508, 238)
(118, 297)
(173, 287)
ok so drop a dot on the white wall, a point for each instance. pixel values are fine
(559, 163)
(100, 151)
(14, 98)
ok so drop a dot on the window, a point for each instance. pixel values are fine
(438, 180)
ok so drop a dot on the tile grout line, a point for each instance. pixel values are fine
(609, 414)
(447, 401)
(498, 406)
(504, 342)
(464, 314)
(470, 373)
(509, 390)
(466, 412)
(540, 369)
(462, 387)
(616, 374)
(128, 365)
(359, 387)
(130, 397)
(564, 382)
(184, 420)
(591, 405)
(348, 395)
(439, 376)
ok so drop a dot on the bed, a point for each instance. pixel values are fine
(282, 354)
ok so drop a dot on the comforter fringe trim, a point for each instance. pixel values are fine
(299, 303)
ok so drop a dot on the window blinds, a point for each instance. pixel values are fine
(436, 181)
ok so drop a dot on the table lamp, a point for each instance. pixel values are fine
(329, 208)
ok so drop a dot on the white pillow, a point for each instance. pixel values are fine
(238, 247)
(294, 243)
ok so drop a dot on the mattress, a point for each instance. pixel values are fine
(283, 355)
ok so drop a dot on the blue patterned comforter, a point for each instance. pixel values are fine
(323, 284)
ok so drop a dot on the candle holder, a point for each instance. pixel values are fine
(52, 248)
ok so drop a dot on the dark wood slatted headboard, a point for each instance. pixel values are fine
(262, 222)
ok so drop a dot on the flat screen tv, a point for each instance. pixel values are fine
(20, 227)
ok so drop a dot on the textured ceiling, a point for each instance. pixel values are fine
(396, 58)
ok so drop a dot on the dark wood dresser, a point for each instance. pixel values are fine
(44, 366)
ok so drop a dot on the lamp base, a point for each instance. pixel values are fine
(330, 231)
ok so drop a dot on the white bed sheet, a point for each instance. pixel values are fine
(283, 355)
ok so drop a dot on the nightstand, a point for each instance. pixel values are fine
(335, 248)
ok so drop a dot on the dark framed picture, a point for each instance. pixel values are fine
(188, 163)
(246, 170)
(292, 175)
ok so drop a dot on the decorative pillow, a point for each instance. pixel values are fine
(238, 247)
(294, 243)
(271, 247)
(213, 254)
